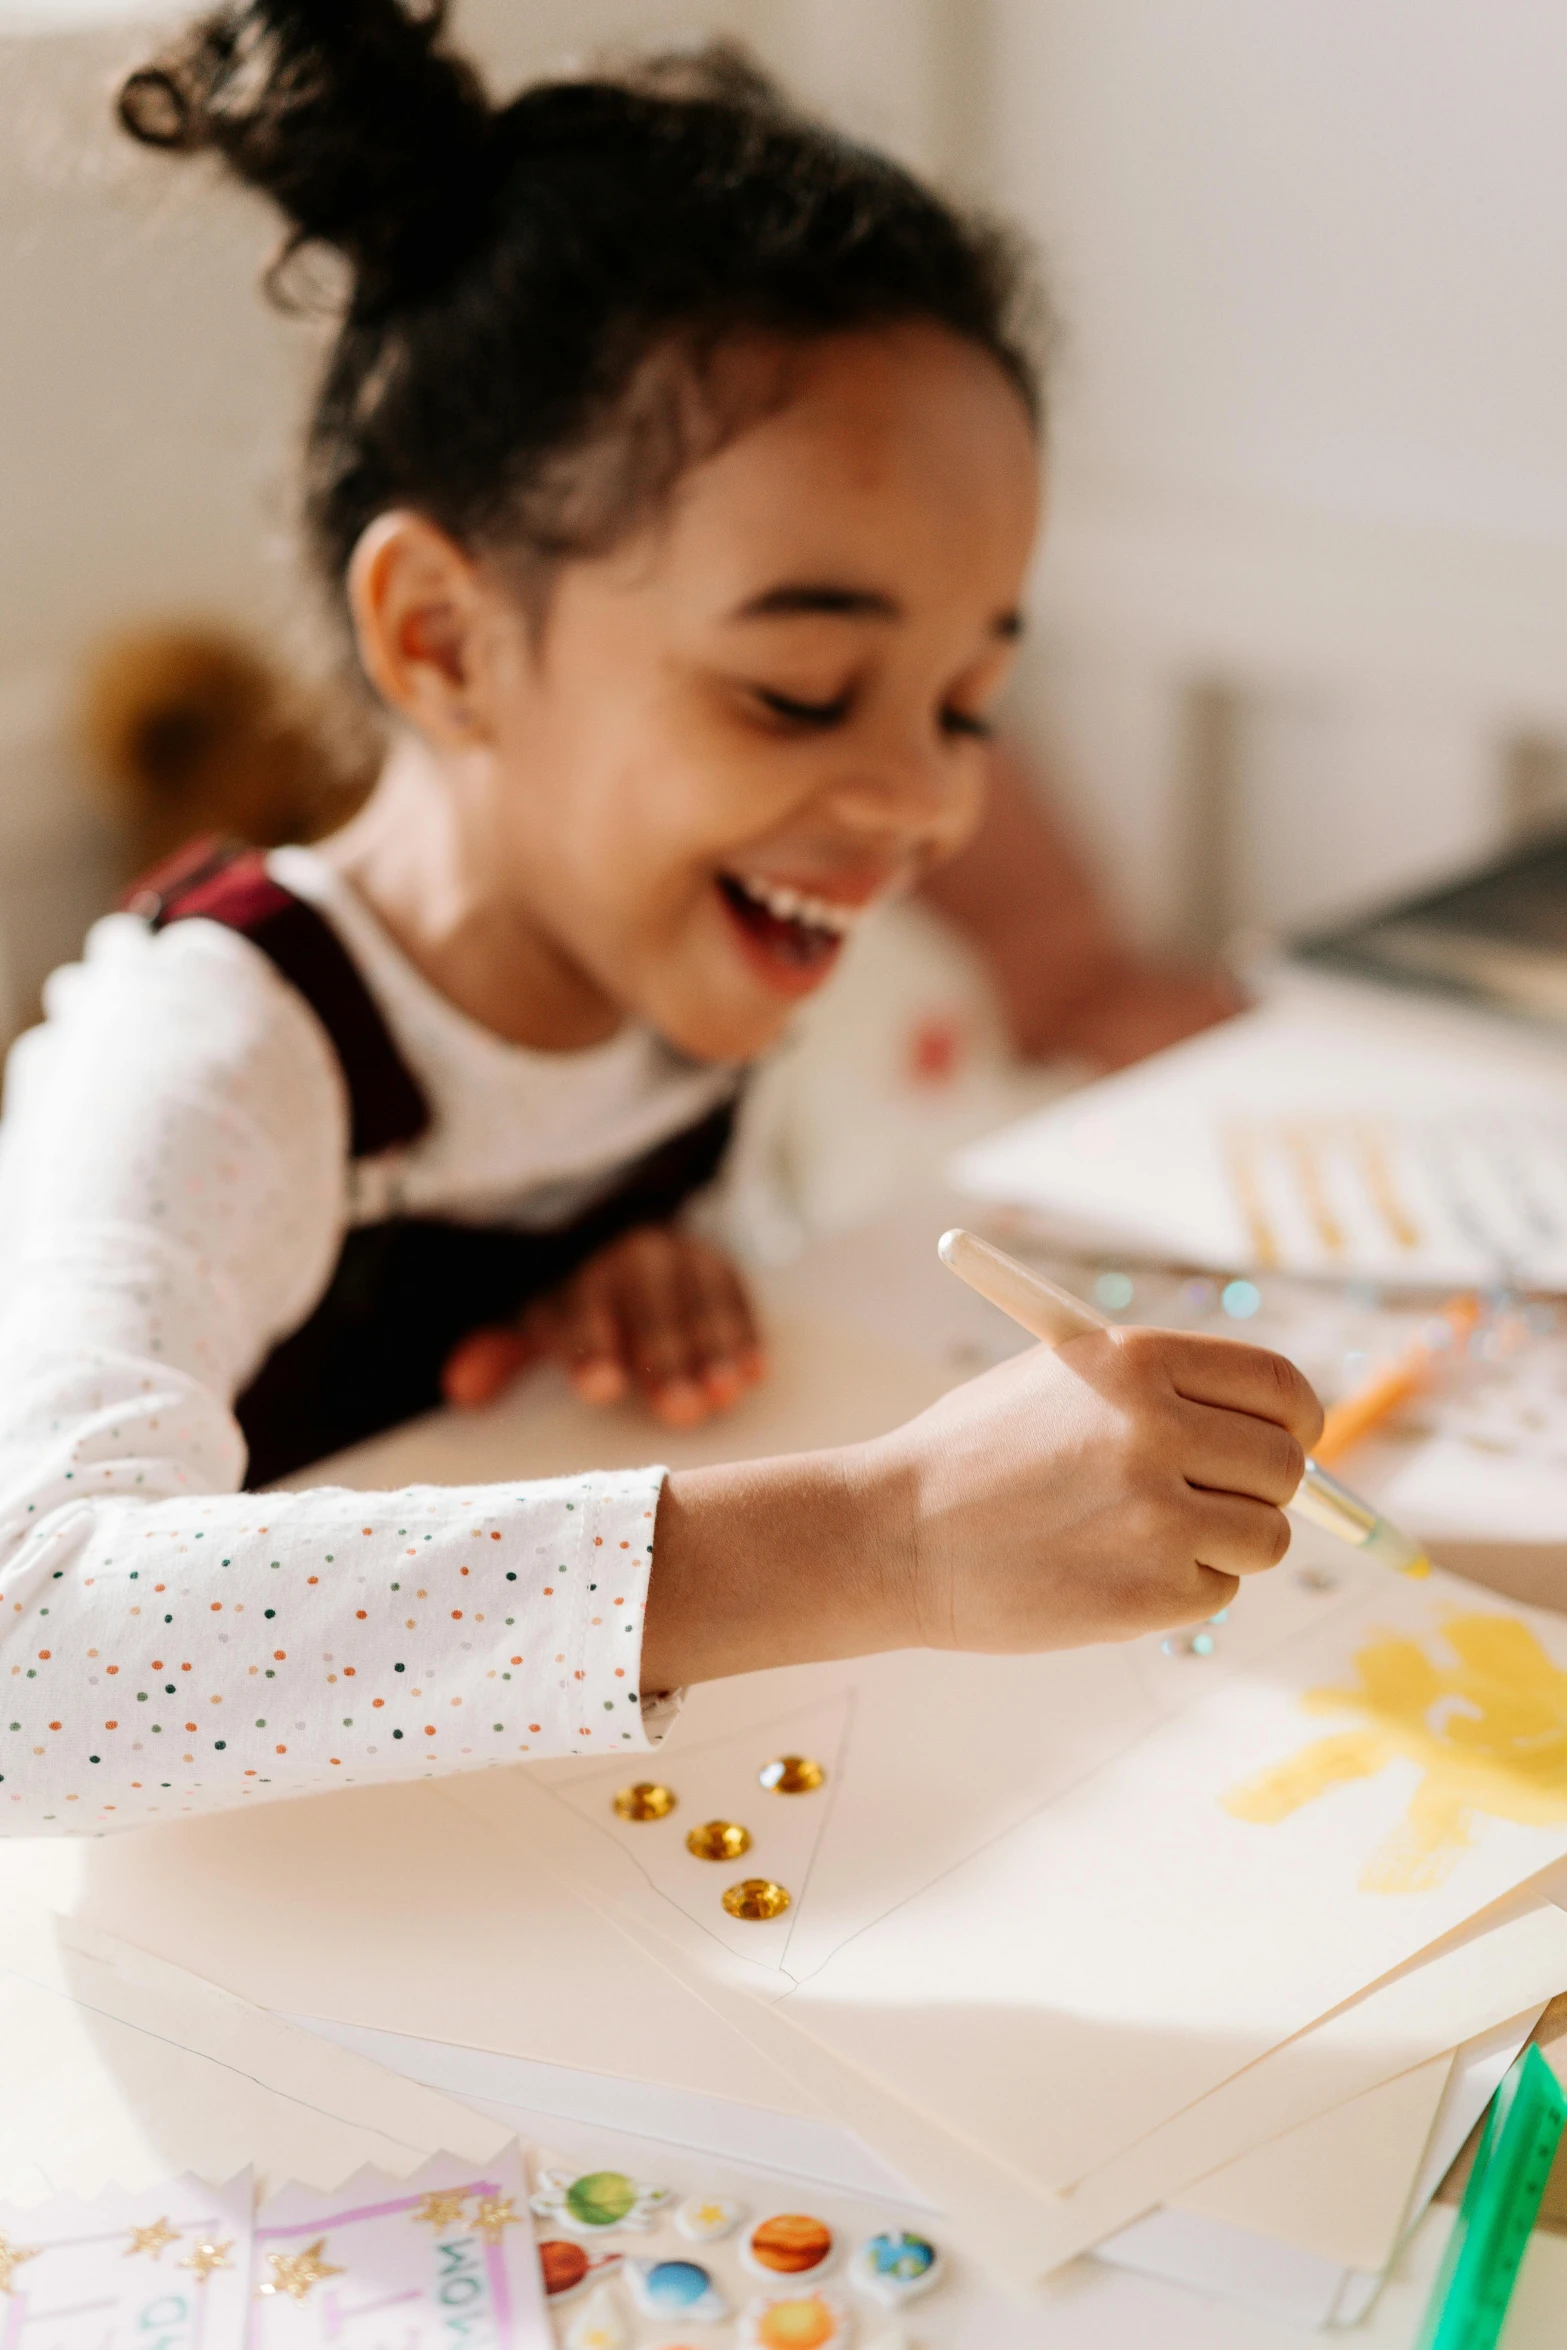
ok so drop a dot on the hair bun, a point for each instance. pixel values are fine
(366, 133)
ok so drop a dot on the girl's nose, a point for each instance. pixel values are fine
(912, 791)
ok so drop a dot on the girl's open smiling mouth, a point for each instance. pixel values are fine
(791, 937)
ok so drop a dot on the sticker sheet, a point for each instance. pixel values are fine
(733, 2259)
(445, 2257)
(166, 2268)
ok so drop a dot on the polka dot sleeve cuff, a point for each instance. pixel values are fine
(167, 1657)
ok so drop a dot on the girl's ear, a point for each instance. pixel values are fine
(419, 614)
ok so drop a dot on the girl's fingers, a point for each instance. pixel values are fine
(586, 1336)
(655, 1313)
(1235, 1536)
(656, 1307)
(1230, 1452)
(725, 1339)
(1238, 1378)
(482, 1364)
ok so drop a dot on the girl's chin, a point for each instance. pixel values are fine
(729, 1018)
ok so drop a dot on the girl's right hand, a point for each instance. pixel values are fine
(1117, 1485)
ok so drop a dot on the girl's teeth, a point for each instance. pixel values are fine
(792, 905)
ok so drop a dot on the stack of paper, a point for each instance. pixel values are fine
(1144, 1914)
(1333, 1130)
(1183, 1926)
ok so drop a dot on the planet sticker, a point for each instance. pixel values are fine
(895, 2267)
(566, 2268)
(705, 2219)
(804, 2321)
(675, 2288)
(598, 2200)
(790, 2244)
(598, 2325)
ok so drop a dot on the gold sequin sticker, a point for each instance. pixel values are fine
(757, 1898)
(792, 1774)
(719, 1840)
(645, 1801)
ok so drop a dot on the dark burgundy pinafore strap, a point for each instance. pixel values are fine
(406, 1290)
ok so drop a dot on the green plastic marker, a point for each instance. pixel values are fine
(1523, 2128)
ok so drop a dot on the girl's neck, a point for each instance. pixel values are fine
(420, 854)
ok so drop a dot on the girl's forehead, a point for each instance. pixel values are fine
(884, 462)
(862, 454)
(874, 403)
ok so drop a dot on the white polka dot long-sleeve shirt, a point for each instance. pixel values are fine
(175, 1188)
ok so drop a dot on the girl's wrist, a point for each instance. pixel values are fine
(778, 1562)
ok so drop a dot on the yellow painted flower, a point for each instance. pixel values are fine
(1489, 1732)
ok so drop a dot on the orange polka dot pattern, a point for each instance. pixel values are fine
(333, 1656)
(173, 1194)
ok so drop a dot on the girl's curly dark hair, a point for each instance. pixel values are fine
(538, 288)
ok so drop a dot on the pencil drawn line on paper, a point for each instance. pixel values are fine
(1489, 1732)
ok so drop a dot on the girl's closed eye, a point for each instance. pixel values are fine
(796, 710)
(819, 716)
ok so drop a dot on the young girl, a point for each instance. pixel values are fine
(676, 465)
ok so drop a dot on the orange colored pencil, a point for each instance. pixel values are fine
(1355, 1415)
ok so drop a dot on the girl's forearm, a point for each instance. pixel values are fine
(779, 1562)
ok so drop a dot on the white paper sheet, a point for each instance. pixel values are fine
(1487, 1971)
(121, 2069)
(1476, 2076)
(1278, 2280)
(963, 1994)
(1339, 2186)
(1478, 2071)
(403, 1915)
(1303, 2195)
(1334, 1130)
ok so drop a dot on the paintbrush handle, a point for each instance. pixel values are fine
(1036, 1304)
(1054, 1315)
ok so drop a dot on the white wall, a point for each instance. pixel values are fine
(1313, 256)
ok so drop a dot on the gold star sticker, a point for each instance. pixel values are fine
(11, 2259)
(151, 2240)
(208, 2257)
(493, 2217)
(443, 2207)
(294, 2273)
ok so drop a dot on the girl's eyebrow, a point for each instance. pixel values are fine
(793, 597)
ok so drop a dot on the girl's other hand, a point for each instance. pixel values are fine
(657, 1312)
